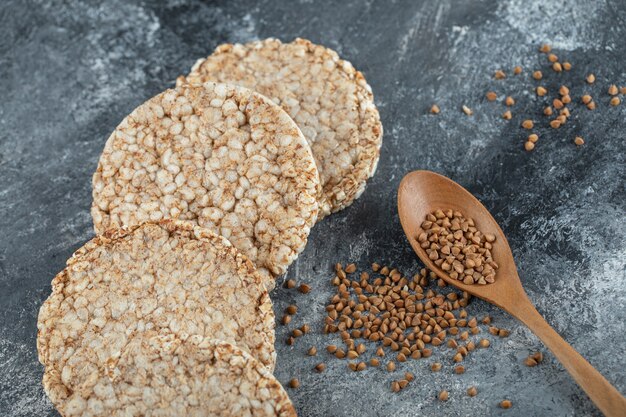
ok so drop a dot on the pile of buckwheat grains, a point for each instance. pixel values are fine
(556, 105)
(385, 318)
(455, 244)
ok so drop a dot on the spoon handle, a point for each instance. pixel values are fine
(605, 396)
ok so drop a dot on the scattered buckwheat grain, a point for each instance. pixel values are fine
(506, 404)
(530, 362)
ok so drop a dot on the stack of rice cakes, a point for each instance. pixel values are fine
(202, 197)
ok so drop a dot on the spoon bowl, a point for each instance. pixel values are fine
(421, 193)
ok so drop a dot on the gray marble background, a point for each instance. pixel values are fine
(70, 71)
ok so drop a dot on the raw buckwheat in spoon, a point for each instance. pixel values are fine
(422, 192)
(457, 246)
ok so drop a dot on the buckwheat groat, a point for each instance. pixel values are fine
(166, 377)
(329, 100)
(223, 157)
(170, 277)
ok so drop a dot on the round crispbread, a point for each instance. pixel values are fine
(169, 277)
(167, 377)
(223, 157)
(327, 98)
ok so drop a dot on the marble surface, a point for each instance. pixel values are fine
(70, 71)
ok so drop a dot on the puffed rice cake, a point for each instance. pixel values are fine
(169, 277)
(329, 100)
(223, 157)
(163, 376)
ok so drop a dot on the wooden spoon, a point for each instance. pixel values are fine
(422, 192)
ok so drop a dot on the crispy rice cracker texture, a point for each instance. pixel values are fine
(222, 157)
(166, 377)
(169, 278)
(328, 99)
